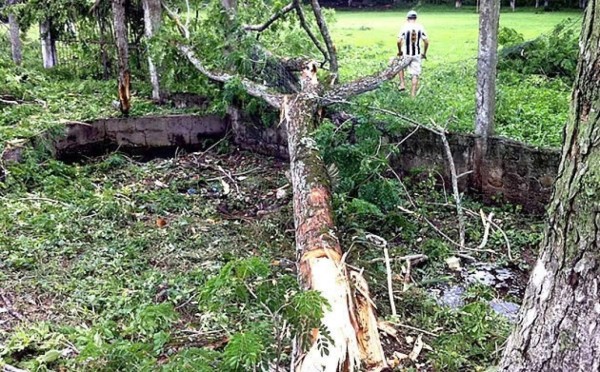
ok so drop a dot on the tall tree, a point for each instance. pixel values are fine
(485, 95)
(15, 35)
(152, 21)
(559, 326)
(124, 77)
(48, 43)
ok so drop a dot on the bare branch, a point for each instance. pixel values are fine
(252, 88)
(333, 64)
(310, 34)
(259, 28)
(183, 30)
(367, 83)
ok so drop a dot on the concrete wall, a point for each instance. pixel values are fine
(513, 172)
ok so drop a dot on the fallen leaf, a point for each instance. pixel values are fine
(226, 188)
(161, 222)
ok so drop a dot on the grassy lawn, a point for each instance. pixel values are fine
(453, 33)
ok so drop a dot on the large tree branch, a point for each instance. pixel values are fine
(333, 64)
(252, 88)
(365, 84)
(183, 30)
(310, 34)
(286, 9)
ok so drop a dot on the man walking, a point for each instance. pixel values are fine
(410, 38)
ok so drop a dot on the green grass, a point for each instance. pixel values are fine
(453, 33)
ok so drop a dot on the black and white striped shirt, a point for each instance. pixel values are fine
(411, 34)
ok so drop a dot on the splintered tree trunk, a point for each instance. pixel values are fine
(152, 20)
(15, 36)
(485, 96)
(48, 43)
(350, 322)
(559, 326)
(120, 27)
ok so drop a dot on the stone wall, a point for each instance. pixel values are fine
(513, 172)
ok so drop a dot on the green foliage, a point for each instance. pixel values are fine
(551, 55)
(509, 36)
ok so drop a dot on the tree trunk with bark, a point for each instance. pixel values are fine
(458, 4)
(15, 35)
(152, 21)
(48, 42)
(513, 4)
(559, 326)
(350, 322)
(485, 95)
(120, 29)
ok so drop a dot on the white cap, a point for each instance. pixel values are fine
(411, 14)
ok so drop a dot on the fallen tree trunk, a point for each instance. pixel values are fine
(350, 321)
(351, 337)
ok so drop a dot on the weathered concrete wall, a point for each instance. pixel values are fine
(513, 172)
(150, 132)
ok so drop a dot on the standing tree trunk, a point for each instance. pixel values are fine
(458, 4)
(537, 4)
(152, 20)
(546, 4)
(48, 42)
(120, 27)
(15, 35)
(559, 326)
(513, 4)
(485, 96)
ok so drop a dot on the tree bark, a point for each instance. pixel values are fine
(152, 21)
(559, 326)
(120, 29)
(15, 36)
(485, 95)
(48, 43)
(350, 321)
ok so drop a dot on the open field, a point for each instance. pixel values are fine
(453, 33)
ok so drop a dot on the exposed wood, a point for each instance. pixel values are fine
(120, 29)
(559, 325)
(152, 22)
(350, 320)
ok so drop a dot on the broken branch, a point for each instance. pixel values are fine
(252, 88)
(259, 28)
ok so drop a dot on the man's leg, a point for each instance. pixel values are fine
(401, 75)
(415, 82)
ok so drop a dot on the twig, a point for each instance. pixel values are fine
(10, 309)
(486, 227)
(9, 368)
(454, 179)
(406, 276)
(414, 328)
(411, 257)
(388, 269)
(283, 11)
(497, 227)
